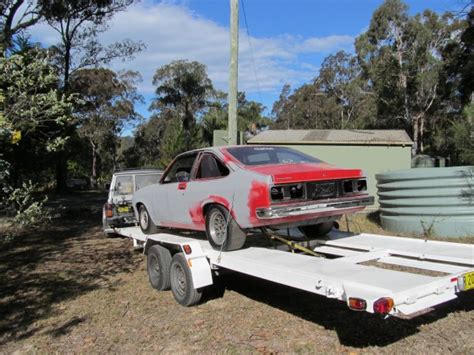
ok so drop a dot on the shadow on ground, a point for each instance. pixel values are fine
(354, 329)
(43, 267)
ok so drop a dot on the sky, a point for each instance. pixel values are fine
(288, 40)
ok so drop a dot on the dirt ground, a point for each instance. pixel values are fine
(69, 289)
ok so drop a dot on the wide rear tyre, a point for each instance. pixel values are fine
(182, 285)
(223, 233)
(144, 220)
(158, 267)
(317, 230)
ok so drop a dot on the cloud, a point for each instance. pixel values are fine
(172, 31)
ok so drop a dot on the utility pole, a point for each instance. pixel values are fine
(233, 71)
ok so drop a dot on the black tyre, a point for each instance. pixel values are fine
(182, 285)
(144, 220)
(158, 266)
(317, 230)
(223, 234)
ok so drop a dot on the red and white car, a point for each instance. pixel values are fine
(227, 191)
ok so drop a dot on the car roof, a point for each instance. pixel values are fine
(138, 171)
(218, 148)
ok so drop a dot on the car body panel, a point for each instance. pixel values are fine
(244, 191)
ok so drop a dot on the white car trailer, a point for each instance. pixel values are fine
(394, 276)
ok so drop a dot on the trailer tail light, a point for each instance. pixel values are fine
(357, 304)
(187, 249)
(383, 305)
(109, 212)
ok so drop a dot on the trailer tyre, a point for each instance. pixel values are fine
(223, 234)
(144, 220)
(182, 285)
(158, 267)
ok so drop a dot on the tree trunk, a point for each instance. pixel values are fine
(422, 129)
(67, 65)
(94, 164)
(415, 134)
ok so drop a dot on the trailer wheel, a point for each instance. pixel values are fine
(182, 285)
(144, 220)
(317, 230)
(158, 267)
(221, 233)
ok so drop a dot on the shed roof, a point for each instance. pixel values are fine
(333, 136)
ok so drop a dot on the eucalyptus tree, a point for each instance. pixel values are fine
(401, 56)
(78, 23)
(16, 16)
(183, 89)
(108, 105)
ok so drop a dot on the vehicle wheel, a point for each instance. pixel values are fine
(144, 220)
(222, 234)
(317, 230)
(158, 266)
(182, 285)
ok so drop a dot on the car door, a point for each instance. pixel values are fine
(207, 184)
(175, 183)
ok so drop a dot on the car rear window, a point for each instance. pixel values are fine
(270, 155)
(144, 180)
(123, 185)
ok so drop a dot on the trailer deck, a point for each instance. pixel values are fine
(402, 277)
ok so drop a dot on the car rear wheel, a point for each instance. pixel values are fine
(223, 233)
(144, 220)
(317, 230)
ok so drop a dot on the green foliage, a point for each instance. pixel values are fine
(29, 210)
(463, 135)
(30, 100)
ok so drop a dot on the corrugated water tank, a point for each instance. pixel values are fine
(428, 201)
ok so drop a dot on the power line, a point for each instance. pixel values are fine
(251, 52)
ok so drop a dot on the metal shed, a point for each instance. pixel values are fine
(374, 151)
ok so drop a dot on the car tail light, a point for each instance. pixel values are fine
(109, 211)
(354, 186)
(383, 305)
(296, 191)
(287, 192)
(276, 193)
(187, 249)
(357, 304)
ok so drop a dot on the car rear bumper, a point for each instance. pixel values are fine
(312, 207)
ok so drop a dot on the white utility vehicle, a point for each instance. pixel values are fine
(358, 269)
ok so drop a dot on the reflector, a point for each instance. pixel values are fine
(357, 304)
(187, 249)
(383, 305)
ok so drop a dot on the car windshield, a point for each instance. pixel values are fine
(146, 179)
(270, 155)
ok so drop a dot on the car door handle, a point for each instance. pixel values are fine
(182, 186)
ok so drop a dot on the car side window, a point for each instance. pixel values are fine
(180, 171)
(123, 185)
(211, 167)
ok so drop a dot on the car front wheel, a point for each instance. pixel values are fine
(223, 233)
(144, 220)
